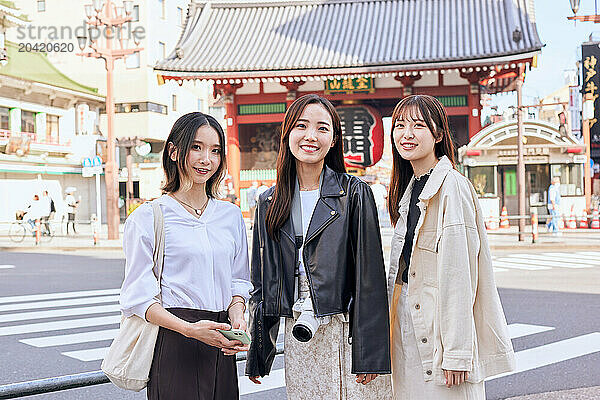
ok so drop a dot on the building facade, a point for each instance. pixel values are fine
(145, 108)
(362, 55)
(490, 162)
(48, 125)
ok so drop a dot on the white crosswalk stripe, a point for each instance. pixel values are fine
(59, 303)
(546, 261)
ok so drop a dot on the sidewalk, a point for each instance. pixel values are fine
(83, 240)
(500, 240)
(590, 393)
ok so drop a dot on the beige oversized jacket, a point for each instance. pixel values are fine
(455, 307)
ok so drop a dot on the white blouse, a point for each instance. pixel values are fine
(205, 259)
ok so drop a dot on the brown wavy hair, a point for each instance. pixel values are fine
(281, 204)
(182, 137)
(434, 114)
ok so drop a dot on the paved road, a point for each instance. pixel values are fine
(59, 311)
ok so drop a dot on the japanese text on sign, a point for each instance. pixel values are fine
(591, 85)
(356, 85)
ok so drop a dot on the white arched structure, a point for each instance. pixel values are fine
(505, 133)
(490, 160)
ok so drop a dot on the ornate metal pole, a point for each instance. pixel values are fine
(106, 19)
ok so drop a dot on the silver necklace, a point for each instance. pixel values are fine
(198, 211)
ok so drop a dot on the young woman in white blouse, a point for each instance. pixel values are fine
(205, 278)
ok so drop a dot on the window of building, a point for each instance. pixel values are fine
(135, 14)
(161, 4)
(41, 5)
(180, 16)
(132, 61)
(51, 128)
(174, 102)
(27, 121)
(483, 180)
(571, 178)
(137, 107)
(162, 51)
(4, 118)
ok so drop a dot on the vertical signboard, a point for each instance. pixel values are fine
(591, 84)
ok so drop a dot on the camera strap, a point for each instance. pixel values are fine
(296, 215)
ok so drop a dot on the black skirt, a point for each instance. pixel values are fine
(188, 369)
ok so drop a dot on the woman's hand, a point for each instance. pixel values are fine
(455, 378)
(206, 332)
(365, 378)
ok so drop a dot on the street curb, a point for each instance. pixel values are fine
(542, 246)
(589, 393)
(56, 248)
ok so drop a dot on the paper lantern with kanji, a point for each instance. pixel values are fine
(362, 129)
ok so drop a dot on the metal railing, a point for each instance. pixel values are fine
(66, 382)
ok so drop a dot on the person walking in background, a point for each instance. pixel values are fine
(554, 205)
(449, 332)
(251, 198)
(71, 206)
(205, 279)
(50, 208)
(262, 187)
(317, 261)
(380, 194)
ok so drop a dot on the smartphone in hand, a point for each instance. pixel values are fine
(236, 334)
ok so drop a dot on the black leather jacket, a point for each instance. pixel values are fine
(344, 263)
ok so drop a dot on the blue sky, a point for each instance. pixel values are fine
(563, 39)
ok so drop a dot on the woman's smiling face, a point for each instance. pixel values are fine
(204, 155)
(413, 138)
(312, 136)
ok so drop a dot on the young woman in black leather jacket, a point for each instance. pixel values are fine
(317, 254)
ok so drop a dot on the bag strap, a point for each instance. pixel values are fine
(159, 243)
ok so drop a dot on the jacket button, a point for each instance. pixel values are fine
(333, 213)
(413, 274)
(428, 372)
(270, 198)
(341, 192)
(424, 340)
(417, 306)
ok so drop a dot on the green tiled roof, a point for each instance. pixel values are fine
(12, 10)
(36, 67)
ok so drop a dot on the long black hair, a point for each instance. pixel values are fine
(182, 138)
(281, 204)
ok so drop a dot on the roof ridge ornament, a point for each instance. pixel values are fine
(179, 52)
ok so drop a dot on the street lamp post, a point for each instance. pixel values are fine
(106, 19)
(520, 160)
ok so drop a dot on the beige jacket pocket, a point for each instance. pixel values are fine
(426, 252)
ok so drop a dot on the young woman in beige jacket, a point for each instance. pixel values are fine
(449, 332)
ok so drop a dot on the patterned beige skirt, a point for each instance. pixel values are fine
(321, 368)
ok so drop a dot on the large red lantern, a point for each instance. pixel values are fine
(362, 129)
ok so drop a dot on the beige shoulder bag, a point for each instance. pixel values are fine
(129, 358)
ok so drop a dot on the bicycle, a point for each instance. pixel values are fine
(19, 229)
